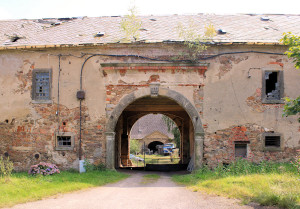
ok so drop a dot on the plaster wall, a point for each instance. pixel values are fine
(224, 96)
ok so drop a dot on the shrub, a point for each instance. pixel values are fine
(296, 163)
(92, 167)
(6, 168)
(43, 169)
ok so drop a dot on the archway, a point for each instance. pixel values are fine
(151, 100)
(153, 146)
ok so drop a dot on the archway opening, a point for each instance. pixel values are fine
(154, 106)
(153, 146)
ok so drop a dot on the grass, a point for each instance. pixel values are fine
(267, 183)
(23, 188)
(159, 159)
(150, 178)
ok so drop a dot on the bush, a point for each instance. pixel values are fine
(296, 163)
(92, 167)
(43, 169)
(6, 168)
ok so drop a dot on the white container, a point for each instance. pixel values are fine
(81, 167)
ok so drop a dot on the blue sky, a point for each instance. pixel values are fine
(32, 9)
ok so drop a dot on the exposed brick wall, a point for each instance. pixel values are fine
(254, 101)
(220, 146)
(31, 136)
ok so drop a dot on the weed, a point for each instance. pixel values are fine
(267, 183)
(6, 168)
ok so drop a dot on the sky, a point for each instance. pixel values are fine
(35, 9)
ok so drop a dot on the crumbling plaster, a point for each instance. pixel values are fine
(225, 97)
(220, 98)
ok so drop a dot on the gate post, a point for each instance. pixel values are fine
(110, 150)
(199, 143)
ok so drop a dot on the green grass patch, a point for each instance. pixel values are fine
(267, 183)
(23, 188)
(159, 159)
(150, 178)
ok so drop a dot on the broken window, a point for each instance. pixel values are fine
(272, 141)
(272, 89)
(64, 141)
(240, 149)
(41, 84)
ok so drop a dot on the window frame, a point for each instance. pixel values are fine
(35, 100)
(241, 143)
(272, 148)
(280, 79)
(58, 148)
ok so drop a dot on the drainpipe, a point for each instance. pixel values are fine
(81, 96)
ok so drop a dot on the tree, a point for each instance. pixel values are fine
(195, 42)
(135, 146)
(172, 127)
(130, 25)
(292, 107)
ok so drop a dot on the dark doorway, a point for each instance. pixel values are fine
(153, 146)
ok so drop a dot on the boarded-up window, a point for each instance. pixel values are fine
(240, 149)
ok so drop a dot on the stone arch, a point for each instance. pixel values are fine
(165, 92)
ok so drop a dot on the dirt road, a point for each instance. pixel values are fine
(136, 193)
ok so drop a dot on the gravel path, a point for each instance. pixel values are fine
(135, 193)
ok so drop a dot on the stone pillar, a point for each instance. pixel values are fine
(110, 150)
(199, 143)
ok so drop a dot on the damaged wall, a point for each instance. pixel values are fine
(224, 94)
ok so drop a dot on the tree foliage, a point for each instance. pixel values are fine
(293, 52)
(292, 107)
(130, 25)
(172, 127)
(135, 146)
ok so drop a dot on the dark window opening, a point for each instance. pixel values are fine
(64, 141)
(272, 141)
(272, 86)
(241, 150)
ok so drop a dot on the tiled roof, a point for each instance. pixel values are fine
(147, 125)
(241, 28)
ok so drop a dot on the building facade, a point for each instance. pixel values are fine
(69, 94)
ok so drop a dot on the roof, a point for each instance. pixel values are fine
(148, 124)
(240, 28)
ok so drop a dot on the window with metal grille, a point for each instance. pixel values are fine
(272, 141)
(64, 141)
(41, 85)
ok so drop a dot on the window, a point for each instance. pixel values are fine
(272, 141)
(64, 141)
(41, 85)
(240, 148)
(272, 88)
